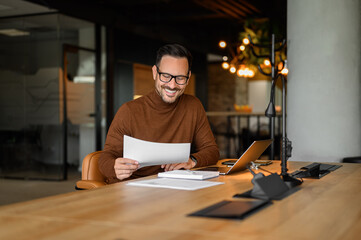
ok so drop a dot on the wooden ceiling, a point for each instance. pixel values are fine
(197, 23)
(238, 10)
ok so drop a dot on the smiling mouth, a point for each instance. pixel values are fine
(169, 91)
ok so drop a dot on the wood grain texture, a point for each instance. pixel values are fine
(326, 208)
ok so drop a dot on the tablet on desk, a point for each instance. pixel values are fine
(232, 209)
(251, 154)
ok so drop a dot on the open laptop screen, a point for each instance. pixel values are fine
(251, 154)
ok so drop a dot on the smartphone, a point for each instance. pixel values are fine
(263, 162)
(229, 162)
(259, 162)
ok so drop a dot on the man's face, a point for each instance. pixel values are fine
(169, 92)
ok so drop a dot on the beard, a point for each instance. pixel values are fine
(169, 97)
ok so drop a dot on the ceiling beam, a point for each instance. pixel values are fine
(227, 5)
(217, 7)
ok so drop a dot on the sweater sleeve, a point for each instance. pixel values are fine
(204, 144)
(113, 147)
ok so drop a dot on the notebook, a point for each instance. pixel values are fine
(188, 174)
(251, 154)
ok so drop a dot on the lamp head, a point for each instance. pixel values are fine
(271, 110)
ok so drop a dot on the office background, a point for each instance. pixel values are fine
(64, 39)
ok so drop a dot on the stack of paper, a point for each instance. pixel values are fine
(181, 184)
(153, 153)
(188, 174)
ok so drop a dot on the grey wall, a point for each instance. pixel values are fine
(324, 83)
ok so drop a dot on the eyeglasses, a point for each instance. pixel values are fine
(166, 78)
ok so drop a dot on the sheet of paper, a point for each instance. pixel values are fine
(188, 174)
(152, 153)
(181, 184)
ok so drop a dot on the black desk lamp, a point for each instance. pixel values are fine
(286, 143)
(271, 111)
(273, 48)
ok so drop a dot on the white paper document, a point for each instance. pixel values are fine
(181, 184)
(188, 174)
(153, 153)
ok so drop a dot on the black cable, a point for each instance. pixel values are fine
(264, 170)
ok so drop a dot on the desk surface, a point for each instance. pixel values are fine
(326, 208)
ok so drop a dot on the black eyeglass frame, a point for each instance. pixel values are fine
(172, 76)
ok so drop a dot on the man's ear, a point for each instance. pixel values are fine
(154, 70)
(189, 75)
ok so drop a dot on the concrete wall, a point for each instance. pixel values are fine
(324, 105)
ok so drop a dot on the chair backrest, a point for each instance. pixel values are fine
(90, 169)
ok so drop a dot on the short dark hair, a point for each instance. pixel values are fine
(174, 50)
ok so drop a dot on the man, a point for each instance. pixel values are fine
(165, 115)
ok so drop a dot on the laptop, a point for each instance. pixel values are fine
(251, 154)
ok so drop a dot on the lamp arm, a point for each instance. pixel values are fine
(283, 43)
(261, 70)
(271, 110)
(259, 56)
(281, 59)
(258, 45)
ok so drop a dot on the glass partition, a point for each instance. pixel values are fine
(32, 135)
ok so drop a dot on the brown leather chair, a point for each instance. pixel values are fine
(90, 174)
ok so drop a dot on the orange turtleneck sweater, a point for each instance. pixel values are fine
(149, 118)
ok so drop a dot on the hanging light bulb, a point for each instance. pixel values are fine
(284, 71)
(251, 73)
(240, 72)
(225, 65)
(222, 44)
(225, 58)
(242, 47)
(266, 62)
(232, 69)
(245, 41)
(247, 72)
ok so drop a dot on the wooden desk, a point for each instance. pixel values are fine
(328, 208)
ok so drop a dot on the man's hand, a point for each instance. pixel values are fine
(124, 167)
(175, 166)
